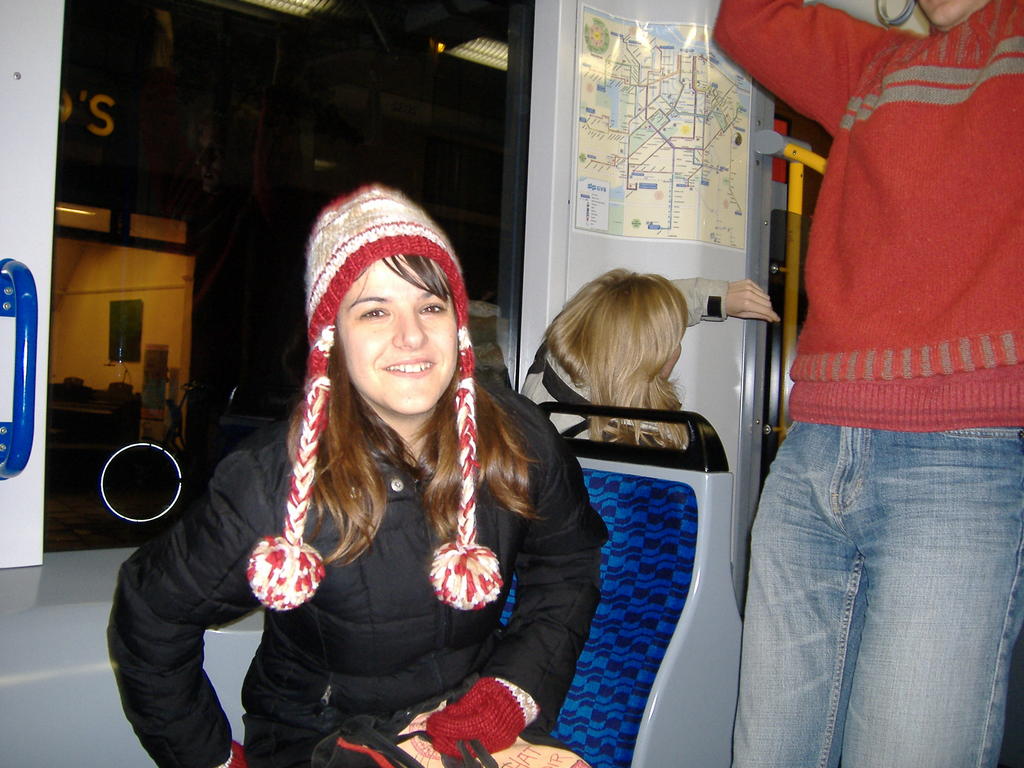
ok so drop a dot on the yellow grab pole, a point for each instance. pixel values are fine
(805, 156)
(794, 208)
(798, 157)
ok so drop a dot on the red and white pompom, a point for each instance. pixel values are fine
(284, 575)
(465, 577)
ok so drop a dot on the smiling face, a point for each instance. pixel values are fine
(400, 347)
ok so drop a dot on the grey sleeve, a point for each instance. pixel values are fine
(705, 299)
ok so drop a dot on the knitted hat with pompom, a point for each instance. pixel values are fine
(349, 235)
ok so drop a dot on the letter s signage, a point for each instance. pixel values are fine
(101, 121)
(96, 105)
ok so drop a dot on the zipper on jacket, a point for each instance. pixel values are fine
(325, 700)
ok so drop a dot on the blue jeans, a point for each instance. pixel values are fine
(886, 593)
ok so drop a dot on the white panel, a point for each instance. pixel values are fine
(30, 58)
(548, 196)
(720, 370)
(7, 352)
(560, 257)
(56, 669)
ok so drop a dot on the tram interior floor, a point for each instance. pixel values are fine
(75, 521)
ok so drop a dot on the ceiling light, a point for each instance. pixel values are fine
(83, 217)
(483, 50)
(294, 7)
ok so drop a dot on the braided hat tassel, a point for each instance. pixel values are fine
(464, 574)
(284, 571)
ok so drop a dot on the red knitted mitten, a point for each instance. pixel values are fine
(487, 713)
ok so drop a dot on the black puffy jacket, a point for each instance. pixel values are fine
(374, 638)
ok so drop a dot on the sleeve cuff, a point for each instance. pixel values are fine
(705, 298)
(525, 701)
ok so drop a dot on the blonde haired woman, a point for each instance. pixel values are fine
(616, 342)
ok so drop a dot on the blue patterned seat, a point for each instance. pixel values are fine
(657, 681)
(646, 568)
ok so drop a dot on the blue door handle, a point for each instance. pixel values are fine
(18, 300)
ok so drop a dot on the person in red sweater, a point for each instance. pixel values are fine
(886, 586)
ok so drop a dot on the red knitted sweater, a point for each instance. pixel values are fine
(916, 257)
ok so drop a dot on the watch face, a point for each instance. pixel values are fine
(714, 306)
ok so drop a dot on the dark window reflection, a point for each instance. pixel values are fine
(198, 141)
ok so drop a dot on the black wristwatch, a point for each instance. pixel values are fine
(715, 310)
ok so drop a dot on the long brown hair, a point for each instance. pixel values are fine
(349, 486)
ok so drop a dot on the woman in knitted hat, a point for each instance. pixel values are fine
(381, 530)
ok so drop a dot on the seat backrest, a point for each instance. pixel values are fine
(657, 681)
(646, 568)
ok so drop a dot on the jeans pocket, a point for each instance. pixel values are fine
(988, 433)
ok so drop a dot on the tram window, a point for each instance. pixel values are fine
(198, 141)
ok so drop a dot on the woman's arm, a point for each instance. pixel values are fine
(811, 56)
(168, 593)
(557, 570)
(718, 299)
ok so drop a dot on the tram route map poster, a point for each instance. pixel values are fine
(663, 126)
